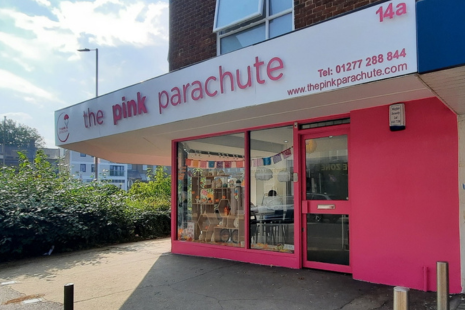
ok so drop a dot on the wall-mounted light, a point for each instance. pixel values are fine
(397, 117)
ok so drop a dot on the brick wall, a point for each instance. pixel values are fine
(191, 32)
(191, 23)
(309, 12)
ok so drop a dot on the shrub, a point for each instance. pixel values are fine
(40, 207)
(153, 195)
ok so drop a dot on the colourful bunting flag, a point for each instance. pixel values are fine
(211, 164)
(267, 161)
(277, 158)
(287, 153)
(219, 164)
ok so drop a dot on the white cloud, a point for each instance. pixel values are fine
(13, 82)
(25, 66)
(43, 2)
(121, 26)
(82, 24)
(87, 20)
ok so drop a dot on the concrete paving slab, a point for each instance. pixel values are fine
(145, 275)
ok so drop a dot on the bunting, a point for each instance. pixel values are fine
(255, 162)
(239, 164)
(277, 158)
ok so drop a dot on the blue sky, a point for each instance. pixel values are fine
(41, 70)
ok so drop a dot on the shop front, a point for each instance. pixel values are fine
(322, 149)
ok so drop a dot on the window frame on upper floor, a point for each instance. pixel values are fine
(226, 8)
(247, 25)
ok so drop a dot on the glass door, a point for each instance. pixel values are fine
(325, 201)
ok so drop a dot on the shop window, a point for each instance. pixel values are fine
(246, 27)
(271, 190)
(210, 204)
(116, 171)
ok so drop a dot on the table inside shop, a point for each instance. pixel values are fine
(266, 219)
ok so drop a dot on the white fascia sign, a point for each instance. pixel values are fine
(376, 43)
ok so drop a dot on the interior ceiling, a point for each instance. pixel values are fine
(153, 145)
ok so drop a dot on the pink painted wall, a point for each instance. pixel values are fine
(404, 196)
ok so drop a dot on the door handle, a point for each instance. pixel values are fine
(326, 207)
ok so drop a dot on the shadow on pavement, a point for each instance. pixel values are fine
(185, 282)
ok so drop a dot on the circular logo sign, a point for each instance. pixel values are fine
(62, 127)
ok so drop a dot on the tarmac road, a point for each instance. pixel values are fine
(145, 275)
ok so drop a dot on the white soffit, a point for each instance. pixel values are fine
(153, 145)
(449, 85)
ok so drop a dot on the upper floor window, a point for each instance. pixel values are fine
(83, 168)
(82, 155)
(240, 23)
(116, 171)
(231, 12)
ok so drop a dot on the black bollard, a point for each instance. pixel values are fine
(69, 297)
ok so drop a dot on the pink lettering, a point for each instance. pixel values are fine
(222, 76)
(257, 66)
(129, 109)
(198, 89)
(141, 104)
(195, 90)
(270, 69)
(132, 108)
(249, 79)
(160, 104)
(117, 112)
(99, 117)
(211, 78)
(176, 98)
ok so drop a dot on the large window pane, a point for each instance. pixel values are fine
(280, 25)
(230, 12)
(211, 190)
(277, 6)
(242, 39)
(271, 190)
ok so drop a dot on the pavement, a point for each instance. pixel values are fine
(145, 275)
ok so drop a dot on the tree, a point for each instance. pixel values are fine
(15, 134)
(156, 193)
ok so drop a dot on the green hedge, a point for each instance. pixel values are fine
(41, 208)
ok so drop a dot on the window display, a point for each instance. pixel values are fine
(211, 190)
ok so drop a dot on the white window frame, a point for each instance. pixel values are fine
(240, 20)
(266, 20)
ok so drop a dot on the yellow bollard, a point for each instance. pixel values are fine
(400, 298)
(442, 269)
